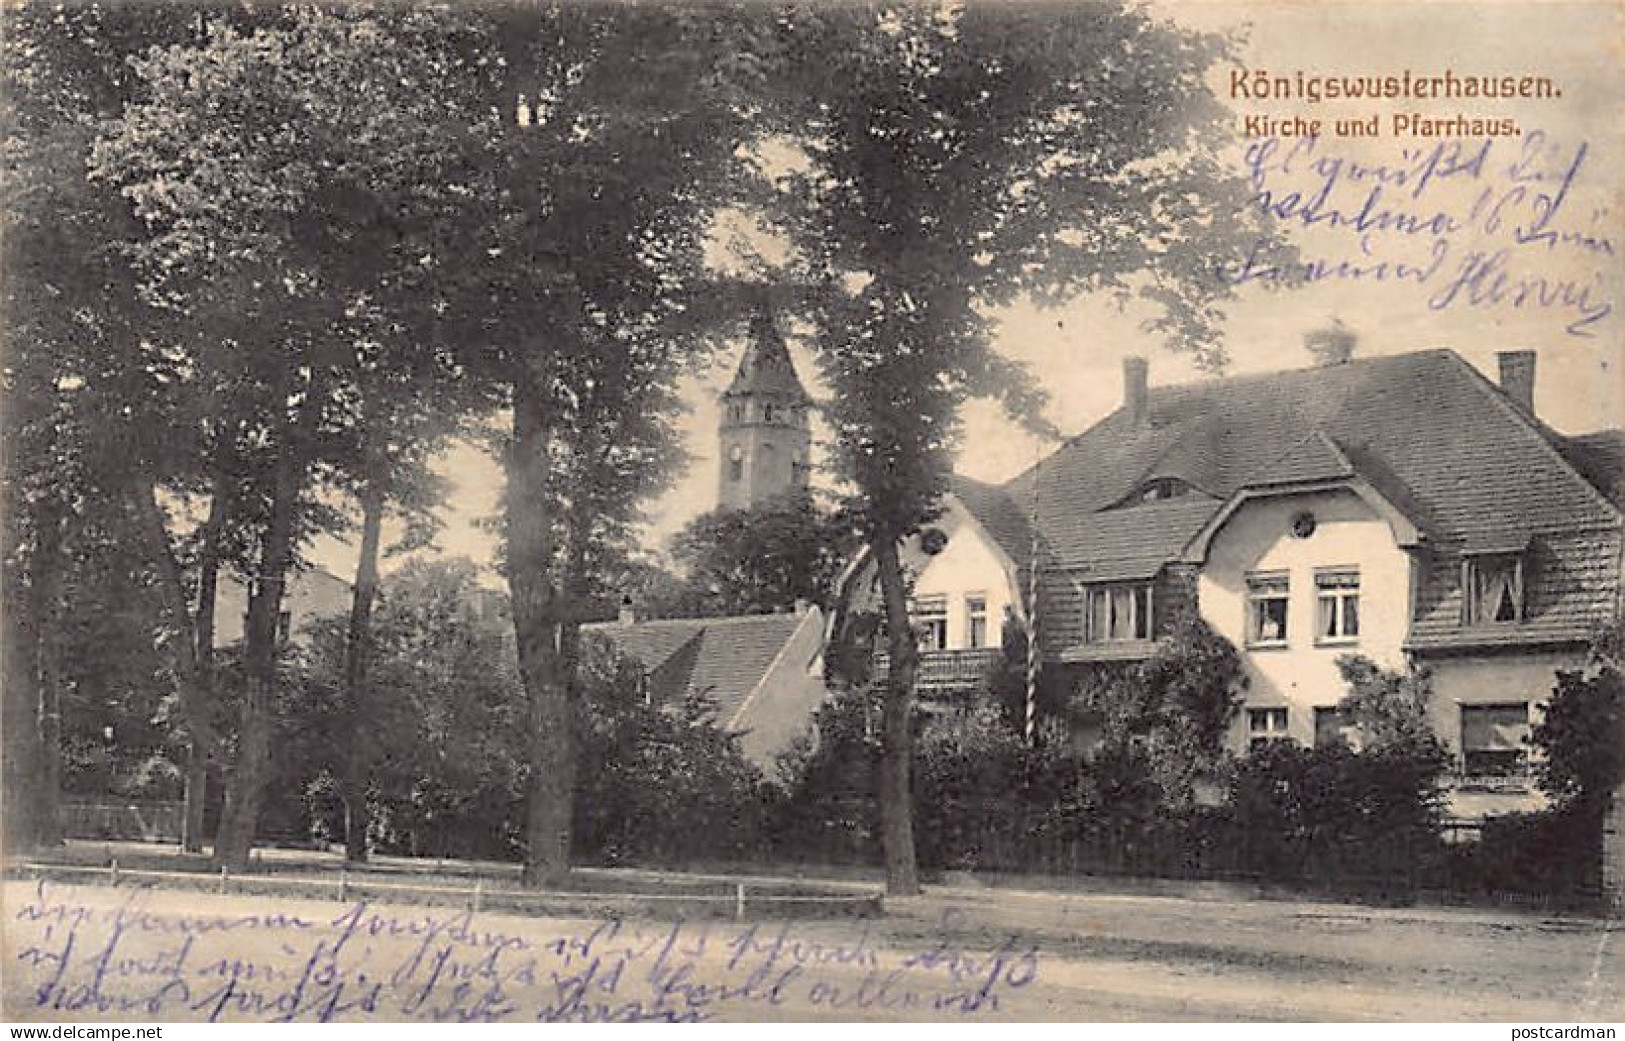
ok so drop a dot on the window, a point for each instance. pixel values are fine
(975, 620)
(736, 412)
(1494, 739)
(1339, 593)
(1266, 609)
(736, 463)
(1331, 727)
(1119, 612)
(769, 413)
(1265, 725)
(800, 470)
(930, 615)
(1162, 488)
(1492, 589)
(284, 626)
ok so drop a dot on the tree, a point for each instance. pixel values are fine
(448, 743)
(577, 291)
(65, 69)
(959, 157)
(761, 559)
(275, 212)
(1582, 736)
(1387, 709)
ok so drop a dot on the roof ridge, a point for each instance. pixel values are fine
(702, 621)
(1369, 361)
(1200, 385)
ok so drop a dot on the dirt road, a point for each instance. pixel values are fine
(96, 953)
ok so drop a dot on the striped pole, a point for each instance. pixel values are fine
(1029, 729)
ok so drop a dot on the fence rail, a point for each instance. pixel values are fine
(740, 899)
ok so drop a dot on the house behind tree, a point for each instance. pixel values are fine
(1403, 508)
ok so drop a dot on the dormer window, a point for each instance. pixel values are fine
(1492, 586)
(1160, 488)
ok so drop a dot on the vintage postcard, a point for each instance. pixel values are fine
(1086, 511)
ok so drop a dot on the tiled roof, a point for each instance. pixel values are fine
(1442, 434)
(1315, 458)
(1134, 542)
(1445, 446)
(1601, 457)
(999, 515)
(729, 656)
(736, 655)
(766, 365)
(650, 644)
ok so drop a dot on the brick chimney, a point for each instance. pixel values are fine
(1135, 370)
(1518, 377)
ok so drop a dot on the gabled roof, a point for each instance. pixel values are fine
(999, 515)
(765, 367)
(1432, 434)
(723, 658)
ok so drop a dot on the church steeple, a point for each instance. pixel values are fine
(764, 435)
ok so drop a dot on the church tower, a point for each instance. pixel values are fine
(764, 436)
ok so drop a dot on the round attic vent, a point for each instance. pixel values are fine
(1303, 525)
(932, 541)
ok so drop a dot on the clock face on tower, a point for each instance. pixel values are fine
(764, 433)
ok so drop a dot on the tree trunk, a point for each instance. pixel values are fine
(201, 743)
(245, 784)
(897, 737)
(357, 769)
(20, 812)
(45, 590)
(193, 663)
(539, 634)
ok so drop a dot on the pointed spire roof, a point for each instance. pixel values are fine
(765, 367)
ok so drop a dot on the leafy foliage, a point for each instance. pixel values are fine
(1582, 736)
(761, 559)
(1172, 709)
(709, 803)
(1368, 820)
(1387, 709)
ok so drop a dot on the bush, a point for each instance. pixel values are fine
(1359, 822)
(825, 807)
(659, 784)
(1551, 856)
(1583, 738)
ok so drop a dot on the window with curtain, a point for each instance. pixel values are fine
(1338, 593)
(1119, 612)
(1492, 589)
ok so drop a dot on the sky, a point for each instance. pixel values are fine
(1555, 189)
